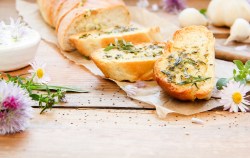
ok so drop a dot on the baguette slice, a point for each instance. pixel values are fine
(82, 20)
(69, 5)
(64, 7)
(186, 70)
(46, 9)
(88, 42)
(56, 10)
(124, 61)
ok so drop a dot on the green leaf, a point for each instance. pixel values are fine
(237, 78)
(239, 64)
(234, 72)
(247, 64)
(222, 82)
(55, 88)
(243, 82)
(203, 11)
(35, 97)
(108, 48)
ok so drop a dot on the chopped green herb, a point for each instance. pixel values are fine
(203, 11)
(177, 61)
(108, 48)
(84, 36)
(193, 80)
(122, 45)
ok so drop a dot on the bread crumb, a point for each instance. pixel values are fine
(197, 121)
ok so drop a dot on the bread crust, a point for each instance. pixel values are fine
(88, 45)
(64, 8)
(56, 10)
(126, 71)
(46, 8)
(180, 38)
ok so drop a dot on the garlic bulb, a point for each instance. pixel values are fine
(225, 12)
(191, 16)
(240, 31)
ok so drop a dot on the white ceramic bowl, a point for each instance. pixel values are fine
(19, 54)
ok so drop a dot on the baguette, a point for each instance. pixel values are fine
(69, 5)
(64, 8)
(56, 10)
(124, 61)
(53, 11)
(186, 70)
(88, 42)
(82, 20)
(46, 9)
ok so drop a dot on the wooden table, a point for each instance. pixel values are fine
(106, 123)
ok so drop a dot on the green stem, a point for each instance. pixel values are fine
(51, 87)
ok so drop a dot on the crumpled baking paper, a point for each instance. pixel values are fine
(150, 93)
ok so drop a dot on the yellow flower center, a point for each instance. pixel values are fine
(237, 97)
(39, 73)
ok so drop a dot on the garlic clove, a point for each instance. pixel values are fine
(191, 16)
(240, 31)
(225, 12)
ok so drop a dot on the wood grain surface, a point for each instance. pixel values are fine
(129, 133)
(112, 125)
(232, 51)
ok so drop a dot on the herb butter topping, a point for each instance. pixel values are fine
(187, 67)
(115, 30)
(121, 29)
(126, 50)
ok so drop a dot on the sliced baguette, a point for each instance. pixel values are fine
(82, 20)
(64, 8)
(46, 9)
(124, 61)
(88, 42)
(53, 11)
(190, 55)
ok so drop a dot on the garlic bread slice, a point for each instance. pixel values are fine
(186, 70)
(88, 42)
(124, 61)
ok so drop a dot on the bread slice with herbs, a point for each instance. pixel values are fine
(94, 18)
(124, 61)
(88, 42)
(186, 70)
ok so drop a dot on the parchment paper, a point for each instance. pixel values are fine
(151, 93)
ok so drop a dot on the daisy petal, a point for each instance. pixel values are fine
(235, 108)
(242, 109)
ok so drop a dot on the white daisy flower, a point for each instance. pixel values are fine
(233, 97)
(38, 73)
